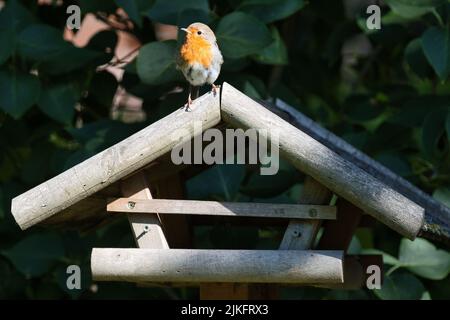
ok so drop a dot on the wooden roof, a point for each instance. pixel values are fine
(77, 197)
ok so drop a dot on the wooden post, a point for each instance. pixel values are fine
(146, 228)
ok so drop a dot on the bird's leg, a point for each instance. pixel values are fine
(189, 102)
(214, 89)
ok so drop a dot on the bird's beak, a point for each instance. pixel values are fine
(185, 30)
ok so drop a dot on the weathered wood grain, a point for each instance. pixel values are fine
(300, 234)
(324, 165)
(241, 209)
(112, 164)
(190, 265)
(147, 229)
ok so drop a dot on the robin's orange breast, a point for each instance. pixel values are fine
(197, 49)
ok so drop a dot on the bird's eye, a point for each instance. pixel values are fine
(199, 32)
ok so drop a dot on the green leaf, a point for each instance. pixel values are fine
(275, 53)
(58, 102)
(36, 254)
(270, 10)
(422, 258)
(168, 11)
(135, 8)
(396, 162)
(13, 18)
(156, 63)
(447, 125)
(188, 16)
(39, 158)
(252, 86)
(432, 131)
(78, 57)
(41, 42)
(13, 284)
(220, 182)
(45, 44)
(103, 88)
(18, 92)
(362, 108)
(7, 47)
(237, 41)
(401, 286)
(416, 60)
(2, 206)
(413, 8)
(264, 186)
(443, 195)
(387, 258)
(436, 46)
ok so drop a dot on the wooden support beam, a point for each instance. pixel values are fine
(240, 209)
(324, 165)
(147, 229)
(356, 272)
(190, 265)
(177, 228)
(338, 234)
(300, 235)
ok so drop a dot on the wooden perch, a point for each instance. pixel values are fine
(112, 164)
(238, 209)
(324, 165)
(198, 266)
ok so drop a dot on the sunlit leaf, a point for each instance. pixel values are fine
(421, 257)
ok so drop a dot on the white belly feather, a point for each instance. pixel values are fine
(198, 75)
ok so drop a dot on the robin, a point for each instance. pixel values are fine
(199, 58)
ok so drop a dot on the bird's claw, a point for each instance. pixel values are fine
(188, 104)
